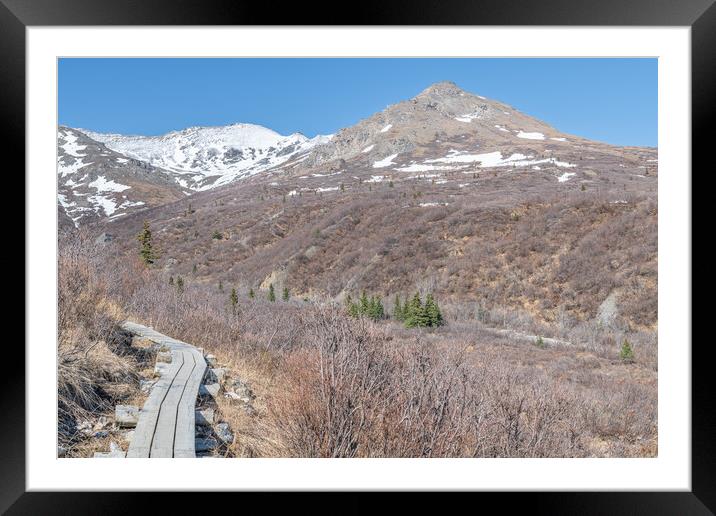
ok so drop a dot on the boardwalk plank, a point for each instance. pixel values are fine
(166, 426)
(144, 432)
(186, 416)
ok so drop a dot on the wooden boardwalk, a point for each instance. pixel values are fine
(166, 422)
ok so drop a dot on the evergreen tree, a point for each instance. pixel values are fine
(234, 298)
(432, 312)
(352, 307)
(378, 310)
(171, 280)
(146, 252)
(251, 293)
(271, 293)
(180, 284)
(193, 269)
(221, 286)
(397, 309)
(364, 306)
(415, 316)
(285, 295)
(626, 354)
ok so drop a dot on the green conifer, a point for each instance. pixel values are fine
(397, 309)
(433, 316)
(234, 298)
(146, 252)
(364, 304)
(271, 293)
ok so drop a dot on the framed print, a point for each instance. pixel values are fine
(444, 248)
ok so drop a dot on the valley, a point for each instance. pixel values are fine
(515, 228)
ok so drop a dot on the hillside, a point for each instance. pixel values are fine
(448, 192)
(96, 183)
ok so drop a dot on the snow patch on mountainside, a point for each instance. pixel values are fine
(385, 162)
(102, 184)
(212, 156)
(496, 159)
(530, 136)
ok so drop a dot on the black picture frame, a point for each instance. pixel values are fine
(700, 15)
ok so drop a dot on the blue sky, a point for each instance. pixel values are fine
(610, 100)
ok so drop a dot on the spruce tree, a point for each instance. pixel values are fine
(271, 293)
(432, 312)
(285, 295)
(251, 293)
(379, 311)
(353, 309)
(180, 284)
(626, 354)
(221, 286)
(234, 298)
(171, 280)
(364, 307)
(415, 316)
(146, 252)
(397, 309)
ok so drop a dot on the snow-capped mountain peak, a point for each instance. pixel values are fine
(207, 157)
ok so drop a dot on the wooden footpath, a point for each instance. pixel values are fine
(166, 422)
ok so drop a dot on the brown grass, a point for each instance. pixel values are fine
(331, 386)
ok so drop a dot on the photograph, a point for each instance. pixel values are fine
(357, 257)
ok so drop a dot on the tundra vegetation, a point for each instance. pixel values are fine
(354, 379)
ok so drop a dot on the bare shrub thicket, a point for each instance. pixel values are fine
(344, 387)
(353, 391)
(90, 354)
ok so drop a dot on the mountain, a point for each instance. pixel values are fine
(207, 157)
(95, 182)
(439, 113)
(448, 192)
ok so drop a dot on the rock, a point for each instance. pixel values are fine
(210, 360)
(160, 368)
(223, 432)
(249, 410)
(128, 435)
(231, 395)
(204, 417)
(205, 444)
(114, 447)
(101, 434)
(243, 390)
(216, 375)
(210, 389)
(61, 451)
(608, 311)
(146, 385)
(85, 427)
(164, 356)
(101, 423)
(126, 416)
(104, 238)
